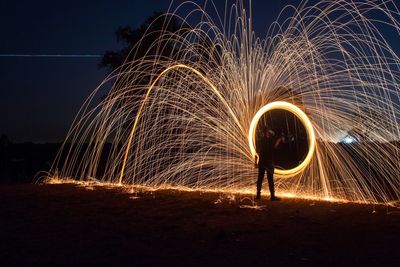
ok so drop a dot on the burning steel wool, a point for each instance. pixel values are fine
(189, 120)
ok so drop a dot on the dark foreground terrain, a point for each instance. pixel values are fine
(68, 225)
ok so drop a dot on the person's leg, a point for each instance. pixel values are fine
(261, 172)
(270, 177)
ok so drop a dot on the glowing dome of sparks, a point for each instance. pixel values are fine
(184, 113)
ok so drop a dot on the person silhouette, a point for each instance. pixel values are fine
(266, 146)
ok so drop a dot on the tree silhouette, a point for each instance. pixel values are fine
(144, 41)
(147, 34)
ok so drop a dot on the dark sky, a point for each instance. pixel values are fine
(40, 96)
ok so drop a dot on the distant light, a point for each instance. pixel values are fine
(348, 140)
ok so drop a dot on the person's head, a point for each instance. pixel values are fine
(269, 133)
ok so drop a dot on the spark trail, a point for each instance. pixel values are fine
(188, 126)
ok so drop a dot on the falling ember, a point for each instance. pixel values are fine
(189, 120)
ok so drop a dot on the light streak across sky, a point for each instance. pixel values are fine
(51, 55)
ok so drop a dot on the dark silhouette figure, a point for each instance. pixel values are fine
(266, 145)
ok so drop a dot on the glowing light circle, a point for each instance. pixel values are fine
(302, 117)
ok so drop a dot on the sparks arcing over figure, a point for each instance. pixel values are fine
(187, 120)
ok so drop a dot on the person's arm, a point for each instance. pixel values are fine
(278, 142)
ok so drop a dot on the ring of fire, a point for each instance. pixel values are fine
(302, 117)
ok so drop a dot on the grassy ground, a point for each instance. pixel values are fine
(67, 225)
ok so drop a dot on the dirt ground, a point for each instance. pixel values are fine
(68, 225)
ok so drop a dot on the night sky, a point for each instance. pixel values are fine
(41, 95)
